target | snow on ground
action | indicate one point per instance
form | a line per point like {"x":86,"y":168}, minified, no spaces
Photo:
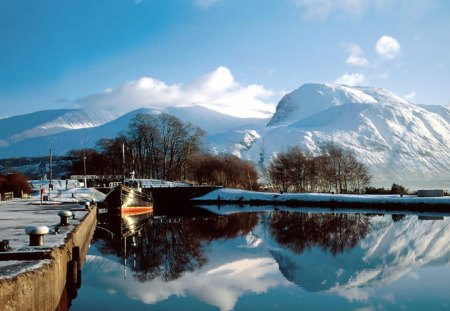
{"x":11,"y":268}
{"x":227,"y":194}
{"x":17,"y":214}
{"x":64,"y":192}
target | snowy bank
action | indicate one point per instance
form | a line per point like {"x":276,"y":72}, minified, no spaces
{"x":236,"y":196}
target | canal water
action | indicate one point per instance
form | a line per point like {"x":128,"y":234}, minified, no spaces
{"x":242,"y":258}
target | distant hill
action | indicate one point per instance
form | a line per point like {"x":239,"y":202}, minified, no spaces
{"x":48,"y":122}
{"x":62,"y":132}
{"x":37,"y":167}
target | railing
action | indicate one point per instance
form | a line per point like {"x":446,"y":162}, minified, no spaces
{"x":7,"y":196}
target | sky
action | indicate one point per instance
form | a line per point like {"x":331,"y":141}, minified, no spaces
{"x":239,"y":56}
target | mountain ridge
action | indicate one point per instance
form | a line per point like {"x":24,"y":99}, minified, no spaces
{"x":399,"y":141}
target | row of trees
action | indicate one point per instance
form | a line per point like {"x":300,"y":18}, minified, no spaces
{"x":334,"y":169}
{"x":227,"y":170}
{"x":163,"y":147}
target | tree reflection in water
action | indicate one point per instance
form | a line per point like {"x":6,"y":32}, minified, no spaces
{"x":168,"y":247}
{"x":332,"y":232}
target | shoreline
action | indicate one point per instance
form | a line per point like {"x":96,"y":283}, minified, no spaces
{"x":316,"y":200}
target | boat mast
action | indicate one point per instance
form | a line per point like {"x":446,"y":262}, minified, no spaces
{"x":50,"y":185}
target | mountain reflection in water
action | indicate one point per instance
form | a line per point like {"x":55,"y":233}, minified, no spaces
{"x":240,"y":260}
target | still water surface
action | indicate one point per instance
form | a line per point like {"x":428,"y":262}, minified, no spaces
{"x":268,"y":260}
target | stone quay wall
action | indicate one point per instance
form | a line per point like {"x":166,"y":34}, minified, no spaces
{"x":52,"y":286}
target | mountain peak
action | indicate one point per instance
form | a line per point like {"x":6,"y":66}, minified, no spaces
{"x":312,"y":98}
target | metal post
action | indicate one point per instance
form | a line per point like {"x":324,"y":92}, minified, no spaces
{"x":51,"y":176}
{"x":84,"y":166}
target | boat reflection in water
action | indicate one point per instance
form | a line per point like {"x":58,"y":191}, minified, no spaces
{"x":240,"y":259}
{"x":158,"y":246}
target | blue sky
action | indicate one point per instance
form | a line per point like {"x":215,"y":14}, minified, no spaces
{"x":122,"y":54}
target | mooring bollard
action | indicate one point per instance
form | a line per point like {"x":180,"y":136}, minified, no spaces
{"x":87,"y":205}
{"x":64,"y":215}
{"x":36,"y":234}
{"x":4,"y":246}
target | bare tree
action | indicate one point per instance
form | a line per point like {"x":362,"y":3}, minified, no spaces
{"x":334,"y":168}
{"x":143,"y":140}
{"x":178,"y":142}
{"x":111,"y":149}
{"x":278,"y":172}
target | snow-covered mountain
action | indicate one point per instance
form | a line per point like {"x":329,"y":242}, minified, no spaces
{"x":399,"y":141}
{"x":49,"y":122}
{"x":64,"y":130}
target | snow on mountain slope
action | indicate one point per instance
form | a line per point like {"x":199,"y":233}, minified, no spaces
{"x":399,"y":141}
{"x":225,"y":133}
{"x":78,"y":138}
{"x":43,"y":123}
{"x":61,"y":143}
{"x":443,"y":111}
{"x":312,"y":98}
{"x":234,"y":141}
{"x":212,"y":121}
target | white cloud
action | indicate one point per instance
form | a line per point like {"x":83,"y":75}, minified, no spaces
{"x":356,"y":57}
{"x":217,"y":90}
{"x":351,"y":79}
{"x":387,"y":47}
{"x":410,"y":96}
{"x":322,"y":9}
{"x":204,"y":3}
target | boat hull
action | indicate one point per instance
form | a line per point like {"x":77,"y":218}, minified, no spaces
{"x":125,"y":201}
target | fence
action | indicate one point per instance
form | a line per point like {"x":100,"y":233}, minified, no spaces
{"x":7,"y":196}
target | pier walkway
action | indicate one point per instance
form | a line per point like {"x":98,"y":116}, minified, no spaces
{"x":37,"y":277}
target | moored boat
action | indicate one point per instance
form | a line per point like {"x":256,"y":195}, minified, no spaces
{"x":124,"y":200}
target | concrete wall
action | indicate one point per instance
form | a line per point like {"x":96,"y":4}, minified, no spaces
{"x":52,"y":286}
